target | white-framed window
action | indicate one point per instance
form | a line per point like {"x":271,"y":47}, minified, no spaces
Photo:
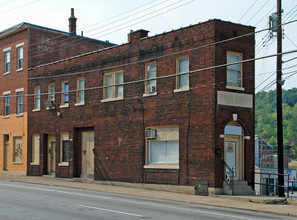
{"x":35,"y":149}
{"x":64,"y":149}
{"x":51,"y":92}
{"x":151,"y":72}
{"x":112,"y":89}
{"x":182,"y":66}
{"x":80,"y":94}
{"x":20,"y":54}
{"x":65,"y":94}
{"x":17,"y":150}
{"x":7,"y":61}
{"x":37,"y":98}
{"x":6,"y":105}
{"x":163,"y":151}
{"x":234,"y":72}
{"x":20,"y":103}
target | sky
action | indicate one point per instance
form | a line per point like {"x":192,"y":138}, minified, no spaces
{"x":112,"y":20}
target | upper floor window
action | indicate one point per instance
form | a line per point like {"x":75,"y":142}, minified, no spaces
{"x":37,"y":98}
{"x":113,"y":89}
{"x":182,"y":66}
{"x":150,"y":72}
{"x":20,"y":62}
{"x":6,"y":105}
{"x":7,"y":61}
{"x":80,"y":94}
{"x":51,"y":92}
{"x":234,"y":71}
{"x":65,"y":93}
{"x":19,"y":103}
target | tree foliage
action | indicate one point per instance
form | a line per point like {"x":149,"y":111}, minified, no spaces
{"x":266,"y":119}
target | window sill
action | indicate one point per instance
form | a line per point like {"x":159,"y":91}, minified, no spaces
{"x":149,"y":94}
{"x":162,"y":166}
{"x":185,"y":89}
{"x":112,"y":100}
{"x":36,"y":110}
{"x":235,"y":88}
{"x":50,"y":108}
{"x":17,"y":163}
{"x":79,"y":104}
{"x":6,"y":116}
{"x":20,"y":69}
{"x":34,"y":164}
{"x":20,"y":115}
{"x":63,"y":164}
{"x":7,"y":73}
{"x":64,"y":105}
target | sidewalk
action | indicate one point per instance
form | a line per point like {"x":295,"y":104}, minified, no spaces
{"x":273,"y":205}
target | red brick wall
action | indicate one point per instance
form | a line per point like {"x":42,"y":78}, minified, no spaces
{"x":119,"y":126}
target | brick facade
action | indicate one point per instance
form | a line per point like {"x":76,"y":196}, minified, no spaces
{"x":120,"y":147}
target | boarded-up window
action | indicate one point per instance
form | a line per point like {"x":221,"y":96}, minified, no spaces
{"x":35,"y":149}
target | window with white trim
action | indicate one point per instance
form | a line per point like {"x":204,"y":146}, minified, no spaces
{"x":150,"y":72}
{"x":163,"y":151}
{"x":234,"y":72}
{"x":20,"y":104}
{"x":37,"y":98}
{"x":65,"y":93}
{"x":51,"y":92}
{"x":7,"y":61}
{"x":64,"y":149}
{"x":182,"y":66}
{"x":20,"y":62}
{"x":80,"y":94}
{"x":17,"y":150}
{"x":6,"y":105}
{"x":113,"y":90}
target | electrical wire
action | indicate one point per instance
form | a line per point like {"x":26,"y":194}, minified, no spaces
{"x":3,"y":12}
{"x":258,"y":11}
{"x":247,"y":11}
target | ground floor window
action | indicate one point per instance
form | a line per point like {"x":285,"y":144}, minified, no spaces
{"x":35,"y":149}
{"x":64,"y":149}
{"x":17,"y":150}
{"x":162,"y":149}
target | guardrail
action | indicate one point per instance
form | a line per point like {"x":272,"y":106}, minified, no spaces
{"x":229,"y":176}
{"x":269,"y":184}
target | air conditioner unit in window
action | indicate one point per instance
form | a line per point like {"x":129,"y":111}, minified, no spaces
{"x":151,"y":89}
{"x":49,"y":104}
{"x":150,"y":134}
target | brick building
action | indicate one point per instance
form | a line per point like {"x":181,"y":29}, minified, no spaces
{"x":153,"y":110}
{"x":21,"y":47}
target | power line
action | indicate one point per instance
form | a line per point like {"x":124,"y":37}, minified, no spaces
{"x":258,"y":11}
{"x":3,"y":12}
{"x":247,"y":11}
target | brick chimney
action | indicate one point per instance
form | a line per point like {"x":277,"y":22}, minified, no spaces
{"x":135,"y":36}
{"x":72,"y":22}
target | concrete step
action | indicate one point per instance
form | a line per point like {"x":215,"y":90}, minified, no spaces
{"x":239,"y":188}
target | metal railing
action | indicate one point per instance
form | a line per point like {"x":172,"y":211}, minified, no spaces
{"x":271,"y":186}
{"x":229,"y":176}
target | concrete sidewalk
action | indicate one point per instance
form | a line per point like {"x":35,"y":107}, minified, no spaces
{"x":273,"y":205}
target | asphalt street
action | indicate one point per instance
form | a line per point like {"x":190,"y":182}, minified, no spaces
{"x":34,"y":201}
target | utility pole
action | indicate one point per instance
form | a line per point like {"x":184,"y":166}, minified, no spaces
{"x":280,"y":151}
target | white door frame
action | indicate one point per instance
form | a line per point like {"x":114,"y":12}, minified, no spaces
{"x":87,"y":154}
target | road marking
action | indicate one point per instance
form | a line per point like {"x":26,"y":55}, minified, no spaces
{"x":109,"y":210}
{"x":27,"y":187}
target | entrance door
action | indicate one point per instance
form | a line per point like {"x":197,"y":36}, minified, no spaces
{"x":87,"y":169}
{"x":6,"y":153}
{"x":233,"y":156}
{"x":51,"y":154}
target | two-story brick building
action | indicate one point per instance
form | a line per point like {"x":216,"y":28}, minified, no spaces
{"x":164,"y":109}
{"x":21,"y":47}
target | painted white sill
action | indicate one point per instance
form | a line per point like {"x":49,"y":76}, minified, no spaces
{"x":235,"y":88}
{"x":36,"y":110}
{"x":112,"y":100}
{"x":19,"y":115}
{"x":50,"y":108}
{"x":6,"y":116}
{"x":79,"y":104}
{"x":17,"y":163}
{"x":34,"y":164}
{"x":185,"y":89}
{"x":149,"y":94}
{"x":63,"y":164}
{"x":162,"y":166}
{"x":20,"y":69}
{"x":65,"y":105}
{"x":7,"y":73}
